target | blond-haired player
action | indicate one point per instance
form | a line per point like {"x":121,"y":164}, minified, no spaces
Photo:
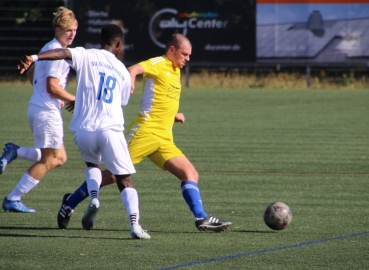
{"x":49,"y":79}
{"x":150,"y":134}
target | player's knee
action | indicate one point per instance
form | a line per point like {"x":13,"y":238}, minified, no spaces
{"x":61,"y":160}
{"x":192,"y":175}
{"x":195,"y":176}
{"x":49,"y":163}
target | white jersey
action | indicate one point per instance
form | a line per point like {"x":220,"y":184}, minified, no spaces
{"x":43,"y":69}
{"x":104,"y":86}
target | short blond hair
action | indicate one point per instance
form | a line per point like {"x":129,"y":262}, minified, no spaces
{"x":64,"y":18}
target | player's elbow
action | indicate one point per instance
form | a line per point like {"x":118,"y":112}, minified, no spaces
{"x":52,"y":90}
{"x":135,"y":70}
{"x":52,"y":86}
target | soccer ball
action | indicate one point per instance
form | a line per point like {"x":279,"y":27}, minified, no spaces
{"x":277,"y":216}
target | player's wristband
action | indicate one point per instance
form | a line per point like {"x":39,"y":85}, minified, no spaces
{"x":34,"y":57}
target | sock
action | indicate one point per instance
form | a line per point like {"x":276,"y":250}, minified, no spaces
{"x":30,"y":154}
{"x":93,"y":180}
{"x":191,"y":194}
{"x":78,"y":196}
{"x":25,"y":185}
{"x":130,"y":202}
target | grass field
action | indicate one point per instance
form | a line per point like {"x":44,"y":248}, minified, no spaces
{"x":307,"y":148}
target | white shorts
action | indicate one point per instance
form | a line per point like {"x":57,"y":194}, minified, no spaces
{"x":46,"y":126}
{"x":109,"y":146}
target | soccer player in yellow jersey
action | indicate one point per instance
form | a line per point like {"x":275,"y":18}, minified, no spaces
{"x":150,"y":133}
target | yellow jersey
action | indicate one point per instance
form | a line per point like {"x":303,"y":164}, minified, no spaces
{"x":160,"y":100}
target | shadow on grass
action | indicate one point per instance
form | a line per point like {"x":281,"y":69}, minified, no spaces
{"x":63,"y":236}
{"x":56,"y":236}
{"x":56,"y":229}
{"x":249,"y":231}
{"x":118,"y":230}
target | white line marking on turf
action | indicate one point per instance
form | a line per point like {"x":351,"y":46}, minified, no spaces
{"x":265,"y":250}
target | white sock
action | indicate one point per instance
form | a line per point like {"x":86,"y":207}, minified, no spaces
{"x":130,"y":202}
{"x":30,"y":154}
{"x":93,"y":181}
{"x":25,"y":185}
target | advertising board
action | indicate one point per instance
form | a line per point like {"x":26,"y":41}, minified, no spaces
{"x":313,"y":31}
{"x":220,"y":31}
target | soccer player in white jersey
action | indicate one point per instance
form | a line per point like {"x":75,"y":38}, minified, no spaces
{"x":49,"y":80}
{"x":150,"y":134}
{"x":103,"y":87}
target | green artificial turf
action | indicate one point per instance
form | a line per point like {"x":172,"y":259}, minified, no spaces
{"x":306,"y":148}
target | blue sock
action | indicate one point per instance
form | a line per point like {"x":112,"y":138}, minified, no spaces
{"x":191,"y":194}
{"x":78,"y":196}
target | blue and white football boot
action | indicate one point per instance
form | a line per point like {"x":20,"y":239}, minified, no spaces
{"x":16,"y":206}
{"x":9,"y":154}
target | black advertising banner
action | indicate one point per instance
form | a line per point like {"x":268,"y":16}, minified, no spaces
{"x":220,"y":31}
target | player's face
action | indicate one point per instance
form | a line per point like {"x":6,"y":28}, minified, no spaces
{"x":66,"y":35}
{"x":182,"y":55}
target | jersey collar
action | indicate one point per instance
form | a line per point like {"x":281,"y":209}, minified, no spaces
{"x":107,"y":53}
{"x":169,"y":63}
{"x":56,"y":40}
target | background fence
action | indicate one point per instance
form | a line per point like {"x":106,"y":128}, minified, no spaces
{"x":320,"y":41}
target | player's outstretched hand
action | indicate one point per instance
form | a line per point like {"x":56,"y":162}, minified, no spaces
{"x":69,"y":106}
{"x":25,"y":63}
{"x":179,"y":118}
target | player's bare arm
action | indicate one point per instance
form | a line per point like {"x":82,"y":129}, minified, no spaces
{"x":57,"y":54}
{"x":30,"y":73}
{"x":56,"y":90}
{"x":179,"y":118}
{"x":52,"y":84}
{"x":134,"y":71}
